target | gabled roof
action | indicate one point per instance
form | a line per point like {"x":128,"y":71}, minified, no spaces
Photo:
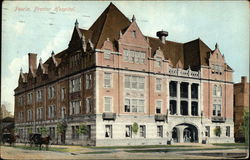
{"x":193,"y":53}
{"x":171,"y":50}
{"x":108,"y":25}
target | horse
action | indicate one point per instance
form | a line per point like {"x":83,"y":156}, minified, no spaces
{"x":44,"y":140}
{"x":9,"y":138}
{"x":34,"y":138}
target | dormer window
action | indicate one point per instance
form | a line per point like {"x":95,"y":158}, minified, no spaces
{"x":133,"y":34}
{"x":107,"y":54}
{"x":158,"y":62}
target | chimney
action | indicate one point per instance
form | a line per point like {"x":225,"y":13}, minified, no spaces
{"x":162,"y":35}
{"x":243,"y":79}
{"x":32,"y":61}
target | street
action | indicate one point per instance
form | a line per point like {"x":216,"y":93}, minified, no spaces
{"x":156,"y":152}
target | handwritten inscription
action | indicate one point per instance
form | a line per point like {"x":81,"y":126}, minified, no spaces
{"x":44,"y":9}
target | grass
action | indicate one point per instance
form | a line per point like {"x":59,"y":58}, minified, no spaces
{"x":230,"y":144}
{"x":138,"y":147}
{"x":172,"y":150}
{"x":43,"y":148}
{"x":101,"y":152}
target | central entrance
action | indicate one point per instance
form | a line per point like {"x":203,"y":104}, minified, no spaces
{"x":185,"y":133}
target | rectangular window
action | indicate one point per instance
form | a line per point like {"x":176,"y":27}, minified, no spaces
{"x":134,"y":56}
{"x":63,"y":93}
{"x":75,"y":133}
{"x":39,"y":95}
{"x":89,"y":131}
{"x":20,"y":100}
{"x":141,"y":82}
{"x":158,"y":84}
{"x":30,"y":115}
{"x":63,"y":112}
{"x":143,"y":131}
{"x":107,"y":54}
{"x":74,"y":107}
{"x":51,"y":92}
{"x":75,"y":85}
{"x":134,"y":82}
{"x":88,"y":81}
{"x":128,"y":132}
{"x":88,"y":105}
{"x":107,"y":80}
{"x":140,"y":106}
{"x":134,"y":105}
{"x":127,"y":81}
{"x":158,"y":106}
{"x":127,"y":105}
{"x":217,"y":110}
{"x":107,"y":104}
{"x":228,"y":131}
{"x":51,"y":111}
{"x":30,"y":98}
{"x":125,"y":56}
{"x":39,"y":113}
{"x":159,"y":131}
{"x":158,"y":62}
{"x":207,"y":133}
{"x":108,"y":131}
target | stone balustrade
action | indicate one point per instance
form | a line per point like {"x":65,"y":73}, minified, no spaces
{"x":184,"y":73}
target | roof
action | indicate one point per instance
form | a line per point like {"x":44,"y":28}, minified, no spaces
{"x":171,"y":50}
{"x":194,"y":49}
{"x":108,"y":25}
{"x":112,"y":21}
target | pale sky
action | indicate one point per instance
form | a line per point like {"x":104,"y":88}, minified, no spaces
{"x":40,"y":27}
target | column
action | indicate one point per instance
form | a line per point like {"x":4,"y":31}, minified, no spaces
{"x":199,"y":100}
{"x":180,"y":133}
{"x":168,"y":98}
{"x":178,"y":99}
{"x":189,"y":99}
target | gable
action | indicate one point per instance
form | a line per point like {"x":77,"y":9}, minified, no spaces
{"x":216,"y":57}
{"x":134,"y":36}
{"x":75,"y":38}
{"x":159,"y":54}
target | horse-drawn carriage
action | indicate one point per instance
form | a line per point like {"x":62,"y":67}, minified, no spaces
{"x":38,"y":140}
{"x":9,"y":138}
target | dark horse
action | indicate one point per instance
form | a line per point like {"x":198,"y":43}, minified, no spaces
{"x":44,"y":140}
{"x":38,"y":140}
{"x":9,"y":138}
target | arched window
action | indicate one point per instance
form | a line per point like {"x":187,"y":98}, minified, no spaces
{"x":219,"y":91}
{"x":215,"y":90}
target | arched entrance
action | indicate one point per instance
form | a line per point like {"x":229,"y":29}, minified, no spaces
{"x":185,"y":133}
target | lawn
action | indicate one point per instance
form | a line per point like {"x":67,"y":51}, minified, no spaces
{"x":138,"y":147}
{"x":173,"y":150}
{"x":230,"y":144}
{"x":56,"y":149}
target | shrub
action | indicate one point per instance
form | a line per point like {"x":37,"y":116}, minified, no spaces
{"x":135,"y":127}
{"x":217,"y":131}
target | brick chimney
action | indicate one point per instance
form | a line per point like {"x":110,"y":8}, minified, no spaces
{"x":243,"y":79}
{"x":32,"y":61}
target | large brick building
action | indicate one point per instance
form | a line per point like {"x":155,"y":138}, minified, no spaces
{"x":111,"y":76}
{"x":241,"y":105}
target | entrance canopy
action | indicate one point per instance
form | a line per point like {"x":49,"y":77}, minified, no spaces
{"x":185,"y":133}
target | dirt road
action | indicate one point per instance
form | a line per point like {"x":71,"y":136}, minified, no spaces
{"x":77,"y":152}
